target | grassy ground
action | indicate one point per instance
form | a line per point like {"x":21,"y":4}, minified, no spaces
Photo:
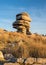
{"x":21,"y":45}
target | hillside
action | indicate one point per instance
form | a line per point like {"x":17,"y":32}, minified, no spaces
{"x":21,"y":45}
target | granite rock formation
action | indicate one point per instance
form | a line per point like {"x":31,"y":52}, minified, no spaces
{"x":22,"y":23}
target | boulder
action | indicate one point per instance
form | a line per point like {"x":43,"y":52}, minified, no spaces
{"x":1,"y":56}
{"x":10,"y":57}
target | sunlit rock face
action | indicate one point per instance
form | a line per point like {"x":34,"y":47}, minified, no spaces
{"x":22,"y":23}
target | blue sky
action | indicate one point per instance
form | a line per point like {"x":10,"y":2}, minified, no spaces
{"x":36,"y":9}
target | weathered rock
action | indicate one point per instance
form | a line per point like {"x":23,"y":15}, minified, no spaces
{"x":20,"y":60}
{"x":10,"y":57}
{"x":22,"y":17}
{"x":23,"y":13}
{"x":22,"y":23}
{"x":1,"y":56}
{"x":22,"y":29}
{"x":30,"y":60}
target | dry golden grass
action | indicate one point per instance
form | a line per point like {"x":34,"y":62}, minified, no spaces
{"x":21,"y":45}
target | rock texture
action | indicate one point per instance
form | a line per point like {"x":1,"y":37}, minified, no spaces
{"x":28,"y":61}
{"x":22,"y":23}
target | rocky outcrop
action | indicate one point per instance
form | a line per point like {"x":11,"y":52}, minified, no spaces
{"x":28,"y":61}
{"x":11,"y":60}
{"x":22,"y":23}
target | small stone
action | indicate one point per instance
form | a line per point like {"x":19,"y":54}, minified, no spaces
{"x":30,"y":61}
{"x":20,"y":60}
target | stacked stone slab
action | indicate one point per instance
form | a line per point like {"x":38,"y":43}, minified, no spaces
{"x":22,"y":23}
